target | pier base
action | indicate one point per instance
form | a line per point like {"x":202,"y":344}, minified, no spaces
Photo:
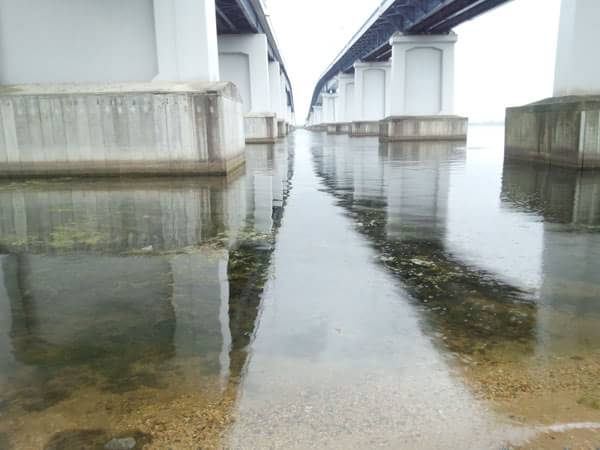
{"x":338,"y":128}
{"x":261,"y":128}
{"x":359,"y":129}
{"x":282,"y":129}
{"x":423,"y":128}
{"x":562,"y":131}
{"x":120,"y":129}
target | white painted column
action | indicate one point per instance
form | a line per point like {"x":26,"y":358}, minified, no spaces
{"x":345,"y":108}
{"x":577,"y":64}
{"x":318,"y":113}
{"x":244,"y":60}
{"x":422,"y":77}
{"x":275,"y":85}
{"x":282,"y":85}
{"x":371,"y":86}
{"x":328,"y":107}
{"x":186,"y":40}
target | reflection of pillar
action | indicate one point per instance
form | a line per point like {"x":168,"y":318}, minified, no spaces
{"x":121,"y":216}
{"x":568,"y":312}
{"x":422,"y":75}
{"x":186,"y":40}
{"x":417,"y":180}
{"x":201,"y":303}
{"x":8,"y":280}
{"x":85,"y":306}
{"x":243,"y":59}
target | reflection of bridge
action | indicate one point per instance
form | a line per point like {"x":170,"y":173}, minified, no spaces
{"x":116,"y":274}
{"x":567,"y":201}
{"x":398,"y":196}
{"x":395,"y":79}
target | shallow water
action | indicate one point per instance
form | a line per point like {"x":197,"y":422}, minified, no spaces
{"x":337,"y":293}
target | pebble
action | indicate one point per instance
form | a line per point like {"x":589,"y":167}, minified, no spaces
{"x":120,"y":444}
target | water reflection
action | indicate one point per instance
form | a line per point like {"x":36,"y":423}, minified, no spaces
{"x":509,"y":291}
{"x":568,"y":202}
{"x":405,"y":216}
{"x":131,"y":295}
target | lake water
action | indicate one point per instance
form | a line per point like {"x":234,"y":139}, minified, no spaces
{"x":336,"y":293}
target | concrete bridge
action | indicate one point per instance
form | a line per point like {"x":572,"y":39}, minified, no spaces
{"x":395,"y":80}
{"x":144,"y":86}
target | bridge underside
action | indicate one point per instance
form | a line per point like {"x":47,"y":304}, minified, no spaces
{"x":407,"y":16}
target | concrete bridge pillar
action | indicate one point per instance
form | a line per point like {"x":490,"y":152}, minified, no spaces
{"x":346,"y":96}
{"x":318,"y":115}
{"x":186,"y":40}
{"x":577,"y":64}
{"x":421,"y":94}
{"x":329,"y":101}
{"x":275,"y":88}
{"x":565,"y":130}
{"x":244,"y":60}
{"x":371,"y":96}
{"x":277,"y":101}
{"x":422,"y":75}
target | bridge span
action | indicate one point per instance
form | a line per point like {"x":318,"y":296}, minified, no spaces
{"x":395,"y":79}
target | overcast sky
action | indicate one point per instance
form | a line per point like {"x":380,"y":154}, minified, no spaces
{"x":503,"y":58}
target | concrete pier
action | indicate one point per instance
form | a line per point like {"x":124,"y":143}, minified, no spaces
{"x":562,"y":131}
{"x":261,"y":128}
{"x":364,"y":128}
{"x":425,"y":128}
{"x":115,"y":129}
{"x":338,"y":128}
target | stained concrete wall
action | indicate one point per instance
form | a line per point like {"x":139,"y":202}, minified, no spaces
{"x":50,"y":41}
{"x":117,"y":129}
{"x":564,"y":132}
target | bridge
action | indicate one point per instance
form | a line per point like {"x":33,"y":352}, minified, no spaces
{"x":144,"y":86}
{"x":182,"y":86}
{"x":395,"y":79}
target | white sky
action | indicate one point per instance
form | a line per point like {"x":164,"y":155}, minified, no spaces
{"x":503,"y":58}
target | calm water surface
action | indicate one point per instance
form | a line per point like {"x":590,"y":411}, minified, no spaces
{"x":337,"y":293}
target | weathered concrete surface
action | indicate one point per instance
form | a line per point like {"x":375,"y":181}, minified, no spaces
{"x":117,"y":129}
{"x":563,"y":131}
{"x":261,"y":128}
{"x":364,"y":128}
{"x":338,"y":128}
{"x":410,"y":128}
{"x":282,"y":128}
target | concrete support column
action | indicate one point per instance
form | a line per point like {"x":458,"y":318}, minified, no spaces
{"x":346,"y":105}
{"x":275,"y":88}
{"x":283,"y":89}
{"x":371,"y":97}
{"x":329,"y":107}
{"x":243,"y":59}
{"x":372,"y":81}
{"x":422,"y":75}
{"x":577,"y":64}
{"x":318,"y":114}
{"x":186,"y":40}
